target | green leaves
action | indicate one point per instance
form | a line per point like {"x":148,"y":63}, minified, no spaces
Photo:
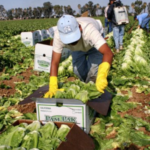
{"x":30,"y":140}
{"x":48,"y":131}
{"x":79,"y":90}
{"x":62,"y":132}
{"x":139,"y":138}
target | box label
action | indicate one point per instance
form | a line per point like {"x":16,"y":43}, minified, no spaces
{"x":27,"y":43}
{"x":60,"y":118}
{"x":65,"y":113}
{"x":42,"y":63}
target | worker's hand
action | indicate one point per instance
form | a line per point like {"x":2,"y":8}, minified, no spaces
{"x":53,"y":87}
{"x":101,"y":80}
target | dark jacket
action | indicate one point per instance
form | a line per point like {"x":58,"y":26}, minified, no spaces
{"x":110,"y":12}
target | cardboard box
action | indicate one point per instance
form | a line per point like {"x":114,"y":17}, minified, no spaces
{"x":43,"y":55}
{"x":44,"y":34}
{"x":75,"y":140}
{"x":65,"y":110}
{"x":30,"y":38}
{"x":51,"y":31}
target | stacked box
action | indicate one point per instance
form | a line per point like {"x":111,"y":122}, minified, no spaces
{"x":30,"y":38}
{"x":44,"y":34}
{"x":51,"y":31}
{"x":43,"y":56}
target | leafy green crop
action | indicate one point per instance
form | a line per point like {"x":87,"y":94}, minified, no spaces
{"x":79,"y":90}
{"x":33,"y":136}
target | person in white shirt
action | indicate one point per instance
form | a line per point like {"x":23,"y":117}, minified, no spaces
{"x":91,"y":55}
{"x":108,"y":24}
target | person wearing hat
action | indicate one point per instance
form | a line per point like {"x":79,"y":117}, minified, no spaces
{"x":143,"y":20}
{"x":91,"y":55}
{"x":118,"y":30}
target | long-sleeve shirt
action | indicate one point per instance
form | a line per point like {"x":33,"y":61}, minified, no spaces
{"x":141,"y":17}
{"x":105,"y":11}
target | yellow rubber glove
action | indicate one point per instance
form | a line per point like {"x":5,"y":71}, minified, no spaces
{"x":53,"y":87}
{"x":101,"y":80}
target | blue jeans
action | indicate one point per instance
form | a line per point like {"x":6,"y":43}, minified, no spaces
{"x":145,"y":23}
{"x":118,"y":33}
{"x":85,"y":64}
{"x":108,"y":23}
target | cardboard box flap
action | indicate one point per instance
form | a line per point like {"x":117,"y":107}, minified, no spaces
{"x":85,"y":14}
{"x":77,"y":140}
{"x":101,"y":104}
{"x":37,"y":94}
{"x":46,"y":42}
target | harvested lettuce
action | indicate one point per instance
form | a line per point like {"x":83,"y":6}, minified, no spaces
{"x":62,"y":132}
{"x":30,"y":140}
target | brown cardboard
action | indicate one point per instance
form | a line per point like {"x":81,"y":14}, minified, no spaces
{"x":75,"y":140}
{"x":47,"y":42}
{"x":85,"y":14}
{"x":37,"y":94}
{"x":100,"y":105}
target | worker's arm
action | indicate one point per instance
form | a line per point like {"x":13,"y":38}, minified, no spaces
{"x":103,"y":69}
{"x":107,"y":53}
{"x":140,"y":21}
{"x":53,"y":83}
{"x":55,"y":63}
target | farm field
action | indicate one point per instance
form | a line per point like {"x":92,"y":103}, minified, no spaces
{"x":127,"y":125}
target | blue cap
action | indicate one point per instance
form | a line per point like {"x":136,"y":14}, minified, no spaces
{"x":68,"y":28}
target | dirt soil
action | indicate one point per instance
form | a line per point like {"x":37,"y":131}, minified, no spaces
{"x":140,"y":110}
{"x":25,"y":77}
{"x":25,"y":108}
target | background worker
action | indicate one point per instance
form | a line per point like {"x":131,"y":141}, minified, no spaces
{"x":118,"y":30}
{"x":143,"y":20}
{"x":91,"y":55}
{"x":108,"y":24}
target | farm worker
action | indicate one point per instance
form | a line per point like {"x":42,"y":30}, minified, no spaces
{"x":107,"y":22}
{"x":91,"y":55}
{"x":118,"y":30}
{"x":143,"y":20}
